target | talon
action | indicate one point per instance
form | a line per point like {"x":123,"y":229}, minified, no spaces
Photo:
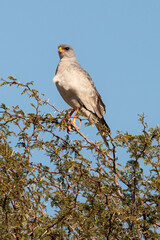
{"x":69,"y":128}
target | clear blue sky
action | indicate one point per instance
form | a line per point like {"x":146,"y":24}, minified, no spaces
{"x":117,"y":42}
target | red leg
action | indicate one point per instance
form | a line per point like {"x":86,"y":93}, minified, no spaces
{"x":73,"y":110}
{"x":74,"y":119}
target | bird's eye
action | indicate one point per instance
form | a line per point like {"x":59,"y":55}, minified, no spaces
{"x":67,"y":48}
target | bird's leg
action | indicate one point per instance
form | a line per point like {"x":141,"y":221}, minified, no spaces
{"x":73,"y":110}
{"x":74,"y":119}
{"x":70,"y":114}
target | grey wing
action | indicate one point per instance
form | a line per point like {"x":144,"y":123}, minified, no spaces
{"x":87,"y":92}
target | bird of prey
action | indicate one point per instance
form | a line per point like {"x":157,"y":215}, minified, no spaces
{"x":78,"y":90}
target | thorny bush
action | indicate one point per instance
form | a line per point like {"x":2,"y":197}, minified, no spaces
{"x":55,"y":185}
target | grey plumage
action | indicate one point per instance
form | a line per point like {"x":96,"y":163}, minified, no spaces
{"x":78,"y":90}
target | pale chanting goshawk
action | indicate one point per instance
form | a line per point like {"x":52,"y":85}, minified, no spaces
{"x":78,"y":90}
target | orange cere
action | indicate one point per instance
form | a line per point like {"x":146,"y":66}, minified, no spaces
{"x":62,"y":50}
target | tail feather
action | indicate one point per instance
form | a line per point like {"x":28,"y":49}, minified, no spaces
{"x":103,"y":129}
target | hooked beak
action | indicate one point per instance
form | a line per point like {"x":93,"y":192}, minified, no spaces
{"x":61,"y":50}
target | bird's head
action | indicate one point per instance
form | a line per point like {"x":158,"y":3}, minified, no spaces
{"x":66,"y":51}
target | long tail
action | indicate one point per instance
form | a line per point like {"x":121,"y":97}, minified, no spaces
{"x":103,"y":129}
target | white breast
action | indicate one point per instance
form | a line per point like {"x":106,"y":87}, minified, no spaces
{"x":55,"y":79}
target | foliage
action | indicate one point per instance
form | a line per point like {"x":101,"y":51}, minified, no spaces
{"x":59,"y":186}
